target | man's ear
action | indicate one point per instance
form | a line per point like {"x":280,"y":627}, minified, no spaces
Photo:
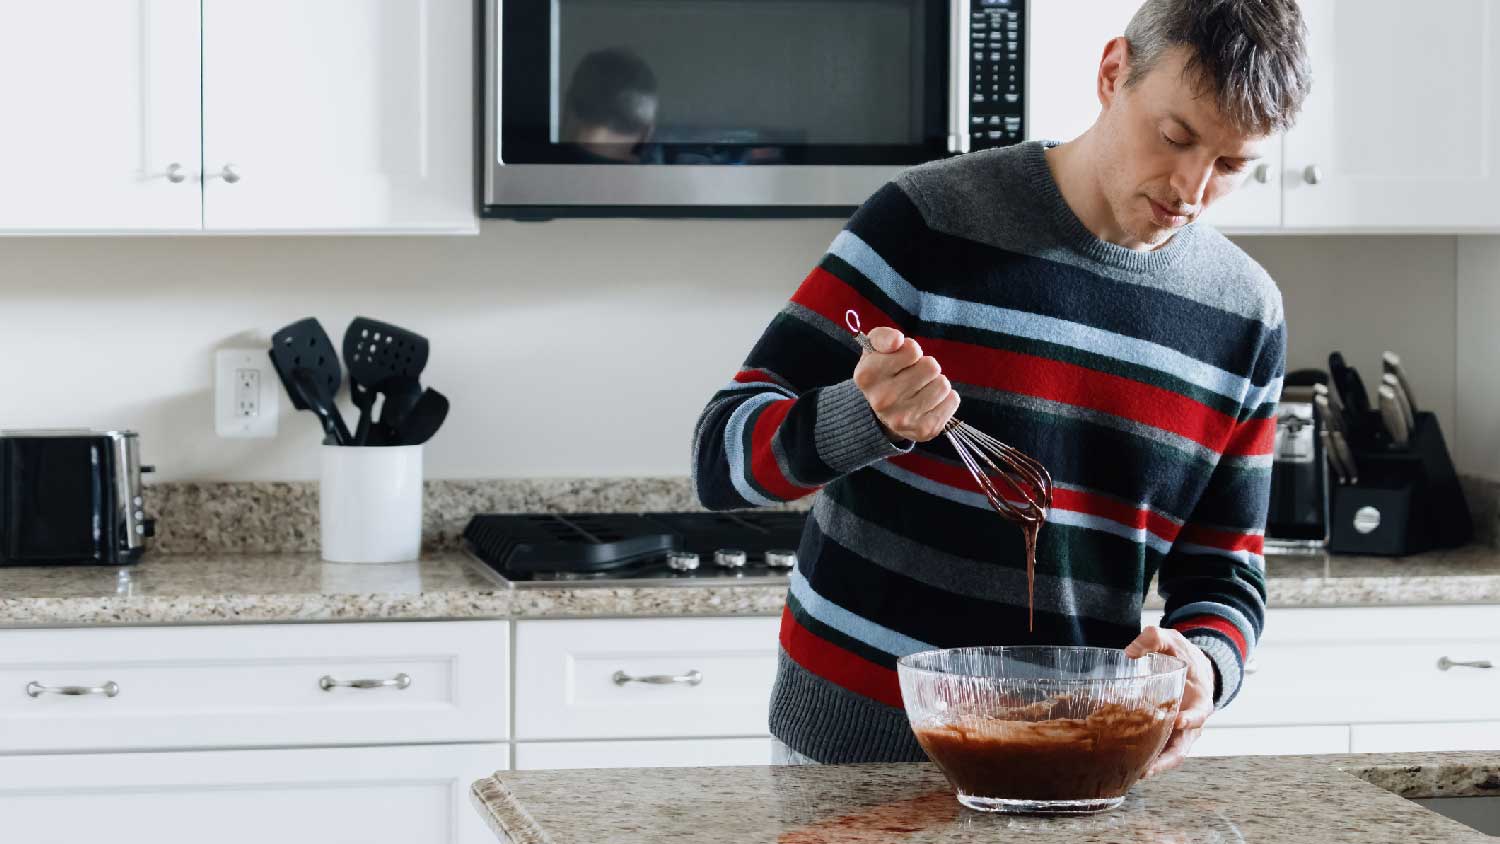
{"x":1114,"y":69}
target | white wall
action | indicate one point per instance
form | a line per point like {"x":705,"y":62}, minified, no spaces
{"x":571,"y":348}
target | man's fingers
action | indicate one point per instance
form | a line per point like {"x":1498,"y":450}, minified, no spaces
{"x":931,"y":395}
{"x":1150,"y":640}
{"x":886,"y":340}
{"x":1175,"y":753}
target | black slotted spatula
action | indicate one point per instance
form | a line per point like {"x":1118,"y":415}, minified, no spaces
{"x":305,"y":345}
{"x":373,"y":352}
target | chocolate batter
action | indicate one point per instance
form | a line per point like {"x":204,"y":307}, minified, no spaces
{"x":1013,"y":757}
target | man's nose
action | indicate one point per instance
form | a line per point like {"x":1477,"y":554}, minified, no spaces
{"x":1190,"y":181}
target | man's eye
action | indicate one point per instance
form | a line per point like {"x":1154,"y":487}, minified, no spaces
{"x":1232,"y":167}
{"x":1171,"y":142}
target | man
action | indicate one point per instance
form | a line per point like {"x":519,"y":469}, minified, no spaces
{"x":1085,"y":319}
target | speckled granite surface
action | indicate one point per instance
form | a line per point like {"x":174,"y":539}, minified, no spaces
{"x":195,"y":518}
{"x":219,"y":588}
{"x":1257,"y":800}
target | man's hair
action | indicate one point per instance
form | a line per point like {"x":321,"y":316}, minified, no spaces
{"x":1251,"y":55}
{"x":615,"y":88}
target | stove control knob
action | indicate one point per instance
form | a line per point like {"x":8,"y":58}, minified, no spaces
{"x":682,"y":561}
{"x":730,"y":558}
{"x":781,"y":559}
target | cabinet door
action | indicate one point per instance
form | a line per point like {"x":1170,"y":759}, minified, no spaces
{"x":370,"y":795}
{"x":1425,"y":738}
{"x":1067,"y":42}
{"x":101,"y":116}
{"x":1270,"y":741}
{"x":1401,"y":128}
{"x":339,"y":115}
{"x":695,"y":753}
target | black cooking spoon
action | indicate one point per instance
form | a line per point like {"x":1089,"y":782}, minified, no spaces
{"x":305,"y":345}
{"x":373,"y":352}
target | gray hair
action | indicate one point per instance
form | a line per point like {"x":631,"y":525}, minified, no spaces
{"x":1250,"y":54}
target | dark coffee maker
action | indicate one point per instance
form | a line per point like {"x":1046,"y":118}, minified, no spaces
{"x":1298,"y":517}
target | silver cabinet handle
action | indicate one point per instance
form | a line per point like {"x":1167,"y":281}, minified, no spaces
{"x":328,"y":684}
{"x":109,"y":689}
{"x":1263,"y":174}
{"x":1445,"y":663}
{"x":1313,"y":174}
{"x":692,"y":678}
{"x":175,"y":175}
{"x":228,"y":173}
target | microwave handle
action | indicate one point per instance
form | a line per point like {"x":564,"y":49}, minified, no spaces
{"x":959,"y":86}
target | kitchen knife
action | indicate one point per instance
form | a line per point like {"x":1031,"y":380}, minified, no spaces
{"x":1390,"y":380}
{"x":1341,"y":448}
{"x":1331,"y":456}
{"x":1391,"y":362}
{"x":1351,"y":389}
{"x":1392,"y":417}
{"x":1323,"y":407}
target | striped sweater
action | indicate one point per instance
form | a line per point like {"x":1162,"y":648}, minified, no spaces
{"x":1145,"y":381}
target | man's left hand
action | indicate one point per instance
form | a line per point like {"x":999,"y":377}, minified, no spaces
{"x":1197,"y":692}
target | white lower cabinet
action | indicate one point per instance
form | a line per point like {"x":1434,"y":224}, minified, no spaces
{"x":659,"y":753}
{"x":1403,"y":738}
{"x":1271,"y":741}
{"x":382,"y":795}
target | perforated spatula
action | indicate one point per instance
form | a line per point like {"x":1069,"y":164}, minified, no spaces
{"x":305,"y":345}
{"x":373,"y":352}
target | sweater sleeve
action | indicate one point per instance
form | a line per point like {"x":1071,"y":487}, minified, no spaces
{"x":792,"y":420}
{"x":1213,"y":578}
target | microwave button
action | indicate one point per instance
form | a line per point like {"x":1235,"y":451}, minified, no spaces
{"x":1012,"y":98}
{"x":978,"y":98}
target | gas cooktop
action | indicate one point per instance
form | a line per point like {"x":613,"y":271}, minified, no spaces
{"x":605,"y":547}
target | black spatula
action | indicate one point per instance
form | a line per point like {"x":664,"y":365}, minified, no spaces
{"x":305,"y":345}
{"x":373,"y":352}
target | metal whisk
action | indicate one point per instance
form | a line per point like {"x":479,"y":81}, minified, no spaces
{"x":1027,"y":480}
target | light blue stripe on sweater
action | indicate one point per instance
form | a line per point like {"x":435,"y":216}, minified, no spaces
{"x":734,"y":447}
{"x":851,"y":625}
{"x":1223,"y":611}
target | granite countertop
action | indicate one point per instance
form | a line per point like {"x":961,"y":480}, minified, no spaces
{"x":1251,"y":799}
{"x":209,"y":588}
{"x":240,"y":587}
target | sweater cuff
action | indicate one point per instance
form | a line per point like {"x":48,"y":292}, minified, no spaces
{"x":1229,"y":672}
{"x":847,"y":434}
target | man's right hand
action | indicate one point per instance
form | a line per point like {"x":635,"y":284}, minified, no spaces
{"x":906,"y":389}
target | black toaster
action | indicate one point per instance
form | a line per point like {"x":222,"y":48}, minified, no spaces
{"x":71,"y":497}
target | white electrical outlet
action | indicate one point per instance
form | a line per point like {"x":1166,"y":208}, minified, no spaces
{"x":247,"y":393}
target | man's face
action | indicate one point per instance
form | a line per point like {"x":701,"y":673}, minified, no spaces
{"x":1169,"y":153}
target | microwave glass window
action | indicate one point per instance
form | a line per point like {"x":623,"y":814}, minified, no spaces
{"x":735,"y":81}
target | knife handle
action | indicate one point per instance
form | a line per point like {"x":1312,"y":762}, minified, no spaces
{"x":1331,"y":456}
{"x":1341,"y":448}
{"x":1402,"y":401}
{"x":1392,"y":416}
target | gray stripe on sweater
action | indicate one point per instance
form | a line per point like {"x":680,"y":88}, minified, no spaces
{"x":1224,"y":657}
{"x":832,"y":725}
{"x":1007,"y":197}
{"x":846,"y":433}
{"x":960,"y":575}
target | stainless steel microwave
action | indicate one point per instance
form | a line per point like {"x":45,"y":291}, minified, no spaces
{"x":737,"y":107}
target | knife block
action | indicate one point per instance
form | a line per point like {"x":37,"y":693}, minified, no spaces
{"x":1408,"y":499}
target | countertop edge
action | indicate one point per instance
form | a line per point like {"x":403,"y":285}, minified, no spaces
{"x":503,"y":814}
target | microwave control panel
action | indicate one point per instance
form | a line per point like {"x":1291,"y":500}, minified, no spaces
{"x":997,"y":67}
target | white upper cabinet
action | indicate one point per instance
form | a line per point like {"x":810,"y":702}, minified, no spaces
{"x":1401,"y":129}
{"x":1067,"y":43}
{"x":338,"y":115}
{"x":100,"y":102}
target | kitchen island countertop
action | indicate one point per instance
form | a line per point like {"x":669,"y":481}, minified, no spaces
{"x":1255,"y":800}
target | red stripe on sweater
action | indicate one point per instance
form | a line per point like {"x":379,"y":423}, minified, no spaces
{"x":836,"y":665}
{"x":829,"y":296}
{"x":755,"y":376}
{"x":1226,"y":540}
{"x":1075,"y":501}
{"x":1213,"y":622}
{"x":763,"y":466}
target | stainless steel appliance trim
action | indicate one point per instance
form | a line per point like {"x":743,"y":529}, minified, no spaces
{"x":692,"y":678}
{"x":63,"y":432}
{"x":958,"y":76}
{"x":400,"y":681}
{"x":586,"y":185}
{"x":494,"y":11}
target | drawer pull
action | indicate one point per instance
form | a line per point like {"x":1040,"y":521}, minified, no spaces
{"x":1445,"y":663}
{"x":328,"y":684}
{"x":35,"y":689}
{"x":692,"y":678}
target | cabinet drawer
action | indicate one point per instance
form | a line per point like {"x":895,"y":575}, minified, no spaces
{"x":1270,"y":741}
{"x":252,"y":685}
{"x":1415,"y":738}
{"x":388,"y":795}
{"x":1371,"y":665}
{"x":566,"y":674}
{"x":661,"y":753}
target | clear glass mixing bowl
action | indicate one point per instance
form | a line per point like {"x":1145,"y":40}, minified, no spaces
{"x":1041,"y":729}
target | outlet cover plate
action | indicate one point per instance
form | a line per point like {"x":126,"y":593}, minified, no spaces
{"x":264,"y":403}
